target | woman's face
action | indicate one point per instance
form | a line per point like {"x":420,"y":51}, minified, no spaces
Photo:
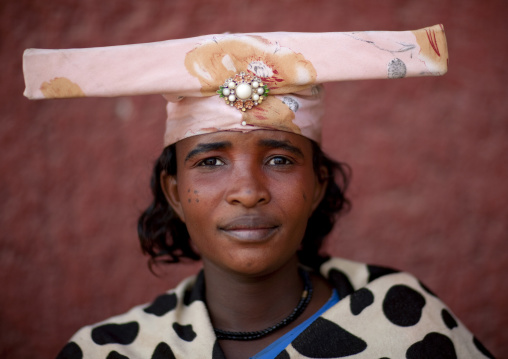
{"x":245,"y":197}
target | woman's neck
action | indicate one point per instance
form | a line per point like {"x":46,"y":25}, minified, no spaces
{"x":242,"y":303}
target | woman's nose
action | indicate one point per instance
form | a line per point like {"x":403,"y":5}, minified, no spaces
{"x":248,"y":187}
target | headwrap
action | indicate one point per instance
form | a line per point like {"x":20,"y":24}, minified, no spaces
{"x":236,"y":82}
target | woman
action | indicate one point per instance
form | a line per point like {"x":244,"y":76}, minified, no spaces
{"x":243,"y":184}
{"x":246,"y":198}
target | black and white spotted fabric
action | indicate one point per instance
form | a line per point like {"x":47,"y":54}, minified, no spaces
{"x":383,"y":314}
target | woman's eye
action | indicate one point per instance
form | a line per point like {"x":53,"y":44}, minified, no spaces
{"x":279,"y":161}
{"x":212,"y":161}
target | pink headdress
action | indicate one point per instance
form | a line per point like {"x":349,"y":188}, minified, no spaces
{"x":236,"y":82}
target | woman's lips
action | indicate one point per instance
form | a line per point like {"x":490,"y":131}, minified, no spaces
{"x":250,"y":228}
{"x":252,"y":234}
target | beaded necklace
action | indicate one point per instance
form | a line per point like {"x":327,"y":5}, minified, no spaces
{"x":302,"y":304}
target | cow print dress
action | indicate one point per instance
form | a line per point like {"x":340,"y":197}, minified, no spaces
{"x":382,"y":314}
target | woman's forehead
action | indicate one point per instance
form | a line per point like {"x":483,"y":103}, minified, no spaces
{"x":252,"y":138}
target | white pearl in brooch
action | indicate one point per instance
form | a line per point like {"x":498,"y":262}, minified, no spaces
{"x":243,"y":91}
{"x":244,"y":123}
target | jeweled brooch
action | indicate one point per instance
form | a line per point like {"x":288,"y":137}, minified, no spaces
{"x":243,"y":91}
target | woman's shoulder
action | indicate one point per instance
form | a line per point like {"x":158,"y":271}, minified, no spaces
{"x":348,"y":276}
{"x":383,"y":312}
{"x":357,"y":273}
{"x":145,"y":330}
{"x":398,"y":298}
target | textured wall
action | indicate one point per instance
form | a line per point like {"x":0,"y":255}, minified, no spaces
{"x":429,"y":158}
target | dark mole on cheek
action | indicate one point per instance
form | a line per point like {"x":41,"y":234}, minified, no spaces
{"x":189,"y":200}
{"x":304,"y":197}
{"x":197,"y":200}
{"x":188,"y":191}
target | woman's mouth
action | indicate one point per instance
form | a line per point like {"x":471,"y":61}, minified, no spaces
{"x":250,"y":228}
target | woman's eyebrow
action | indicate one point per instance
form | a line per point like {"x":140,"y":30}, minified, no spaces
{"x":206,"y":147}
{"x":285,"y":145}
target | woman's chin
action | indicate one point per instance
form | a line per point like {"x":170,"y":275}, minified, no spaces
{"x":255,"y":263}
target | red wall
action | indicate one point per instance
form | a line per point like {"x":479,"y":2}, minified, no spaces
{"x":429,"y":156}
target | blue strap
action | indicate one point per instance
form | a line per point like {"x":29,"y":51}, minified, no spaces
{"x":280,"y":344}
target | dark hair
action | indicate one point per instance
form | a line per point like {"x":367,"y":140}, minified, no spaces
{"x":165,"y":238}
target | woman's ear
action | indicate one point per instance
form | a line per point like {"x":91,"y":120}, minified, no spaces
{"x":320,"y":187}
{"x":169,"y":186}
